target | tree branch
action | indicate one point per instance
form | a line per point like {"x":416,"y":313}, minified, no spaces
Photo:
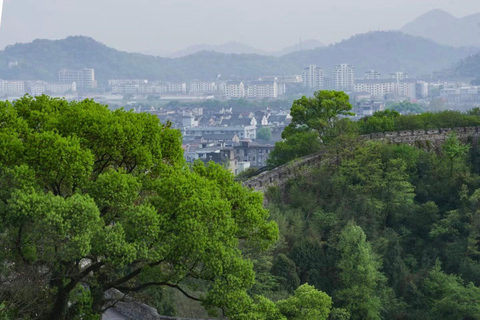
{"x":150,"y":284}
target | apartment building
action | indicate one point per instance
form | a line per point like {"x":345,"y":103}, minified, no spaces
{"x":37,"y":88}
{"x":371,"y":75}
{"x":378,"y":87}
{"x":243,"y":132}
{"x":312,"y":77}
{"x":382,"y":87}
{"x":262,"y":89}
{"x":84,"y":78}
{"x":232,"y":89}
{"x":344,"y":77}
{"x":199,"y":87}
{"x":13,"y":87}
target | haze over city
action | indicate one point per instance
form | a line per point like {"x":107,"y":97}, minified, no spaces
{"x":167,"y":25}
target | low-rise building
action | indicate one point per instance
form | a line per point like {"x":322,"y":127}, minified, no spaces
{"x":243,"y":132}
{"x":256,"y":154}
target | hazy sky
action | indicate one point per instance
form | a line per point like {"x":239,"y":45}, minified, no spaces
{"x":169,"y":25}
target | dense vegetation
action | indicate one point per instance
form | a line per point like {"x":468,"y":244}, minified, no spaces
{"x":388,"y":231}
{"x":390,"y":120}
{"x":92,"y":199}
{"x":383,"y":51}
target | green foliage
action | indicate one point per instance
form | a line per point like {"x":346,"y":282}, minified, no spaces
{"x":359,"y":273}
{"x":306,"y":304}
{"x":319,"y":113}
{"x":453,"y":148}
{"x":392,"y":121}
{"x":285,"y":270}
{"x":293,"y":147}
{"x":315,"y":121}
{"x":91,"y":198}
{"x":413,"y":209}
{"x":407,"y":107}
{"x":381,"y":121}
{"x":449,"y":298}
{"x":264,"y":134}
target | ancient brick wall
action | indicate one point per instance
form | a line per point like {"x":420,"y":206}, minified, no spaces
{"x":279,"y":176}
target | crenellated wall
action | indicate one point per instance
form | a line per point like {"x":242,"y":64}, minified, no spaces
{"x":280,"y":175}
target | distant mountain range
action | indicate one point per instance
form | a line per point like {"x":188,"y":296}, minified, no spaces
{"x":383,"y":51}
{"x":444,"y":28}
{"x":234,"y":47}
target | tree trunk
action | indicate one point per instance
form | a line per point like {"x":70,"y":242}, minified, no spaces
{"x":59,"y":310}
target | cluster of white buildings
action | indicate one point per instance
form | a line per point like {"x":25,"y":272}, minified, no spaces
{"x":146,"y":87}
{"x":228,"y":89}
{"x":18,"y":88}
{"x":343,"y":77}
{"x":69,"y":82}
{"x":397,"y":84}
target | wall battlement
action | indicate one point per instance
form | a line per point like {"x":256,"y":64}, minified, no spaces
{"x":280,"y":175}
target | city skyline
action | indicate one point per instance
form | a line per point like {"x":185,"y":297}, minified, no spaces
{"x":168,"y":26}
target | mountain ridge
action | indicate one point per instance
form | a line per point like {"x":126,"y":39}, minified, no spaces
{"x":444,"y":28}
{"x":383,"y":51}
{"x":235,"y":47}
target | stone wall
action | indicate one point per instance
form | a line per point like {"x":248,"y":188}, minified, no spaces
{"x":280,"y":175}
{"x":135,"y":310}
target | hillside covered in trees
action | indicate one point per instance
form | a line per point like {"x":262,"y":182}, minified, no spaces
{"x":383,"y":51}
{"x":469,"y":67}
{"x":93,"y":200}
{"x":389,"y":231}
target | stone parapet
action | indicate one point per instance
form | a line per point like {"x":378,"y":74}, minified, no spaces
{"x":280,"y":175}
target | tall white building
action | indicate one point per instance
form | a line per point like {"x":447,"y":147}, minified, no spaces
{"x":312,"y":77}
{"x":343,"y":77}
{"x":371,"y":75}
{"x":232,"y":89}
{"x":262,"y":89}
{"x":84,"y":79}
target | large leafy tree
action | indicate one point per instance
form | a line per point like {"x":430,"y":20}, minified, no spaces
{"x":319,"y":113}
{"x":315,"y":120}
{"x":92,"y":200}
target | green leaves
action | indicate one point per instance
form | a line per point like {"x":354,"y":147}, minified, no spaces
{"x":318,"y":113}
{"x":359,"y":274}
{"x":306,"y":304}
{"x":104,"y":200}
{"x":314,"y":122}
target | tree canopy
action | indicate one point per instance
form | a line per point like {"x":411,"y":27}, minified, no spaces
{"x":93,"y":199}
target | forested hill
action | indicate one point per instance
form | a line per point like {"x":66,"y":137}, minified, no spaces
{"x":42,"y":59}
{"x":383,"y":51}
{"x":469,"y":67}
{"x":386,"y":52}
